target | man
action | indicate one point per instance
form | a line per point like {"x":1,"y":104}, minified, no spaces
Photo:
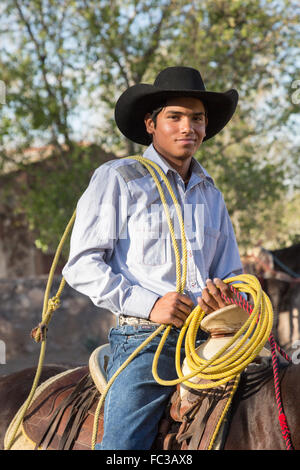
{"x":121,"y":253}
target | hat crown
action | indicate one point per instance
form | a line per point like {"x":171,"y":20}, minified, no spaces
{"x":179,"y":78}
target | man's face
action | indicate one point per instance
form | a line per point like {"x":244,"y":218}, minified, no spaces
{"x":179,"y":129}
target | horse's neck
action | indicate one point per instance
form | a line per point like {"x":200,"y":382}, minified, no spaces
{"x":254,"y":378}
{"x":254,"y":415}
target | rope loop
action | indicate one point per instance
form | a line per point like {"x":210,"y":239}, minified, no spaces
{"x":54,"y":303}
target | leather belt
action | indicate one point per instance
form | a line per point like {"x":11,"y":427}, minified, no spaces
{"x":135,"y":321}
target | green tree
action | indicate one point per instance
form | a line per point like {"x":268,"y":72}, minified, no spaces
{"x":62,"y":58}
{"x":251,"y":46}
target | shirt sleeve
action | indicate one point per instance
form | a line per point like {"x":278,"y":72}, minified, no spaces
{"x":101,"y":216}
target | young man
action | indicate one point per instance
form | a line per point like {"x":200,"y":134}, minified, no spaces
{"x":121,"y":252}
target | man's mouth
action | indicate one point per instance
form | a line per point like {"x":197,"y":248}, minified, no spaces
{"x":186,"y":141}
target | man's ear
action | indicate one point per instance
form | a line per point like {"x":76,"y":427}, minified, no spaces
{"x":206,"y":122}
{"x":149,"y":124}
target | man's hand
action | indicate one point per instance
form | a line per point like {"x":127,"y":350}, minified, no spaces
{"x":211,"y":299}
{"x":172,"y":309}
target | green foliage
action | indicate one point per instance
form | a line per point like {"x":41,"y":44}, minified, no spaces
{"x":64,"y":58}
{"x":51,"y":191}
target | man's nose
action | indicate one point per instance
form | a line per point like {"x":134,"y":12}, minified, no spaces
{"x":186,"y":125}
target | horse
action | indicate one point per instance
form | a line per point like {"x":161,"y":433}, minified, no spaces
{"x":279,"y":274}
{"x":253,"y":418}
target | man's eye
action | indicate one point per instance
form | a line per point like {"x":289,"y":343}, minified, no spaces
{"x":199,"y":118}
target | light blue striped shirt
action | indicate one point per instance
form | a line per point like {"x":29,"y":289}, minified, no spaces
{"x":121,"y":253}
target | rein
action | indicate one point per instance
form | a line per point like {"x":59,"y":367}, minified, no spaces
{"x":218,"y":370}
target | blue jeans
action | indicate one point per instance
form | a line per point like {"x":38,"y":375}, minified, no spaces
{"x":135,"y":402}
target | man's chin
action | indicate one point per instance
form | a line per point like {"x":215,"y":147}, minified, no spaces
{"x":184,"y":154}
{"x":187,"y":150}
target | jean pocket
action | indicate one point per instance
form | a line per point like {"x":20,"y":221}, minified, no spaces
{"x":135,"y":340}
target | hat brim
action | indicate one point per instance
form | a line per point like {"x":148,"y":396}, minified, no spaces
{"x":138,"y":100}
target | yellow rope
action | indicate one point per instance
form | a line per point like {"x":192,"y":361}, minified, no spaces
{"x":224,"y":413}
{"x":223,"y":366}
{"x":48,"y":307}
{"x":252,"y":336}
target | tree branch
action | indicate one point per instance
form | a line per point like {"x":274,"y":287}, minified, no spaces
{"x":42,"y":58}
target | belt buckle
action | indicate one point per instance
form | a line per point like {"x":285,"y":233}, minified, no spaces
{"x":145,"y":326}
{"x":135,"y":321}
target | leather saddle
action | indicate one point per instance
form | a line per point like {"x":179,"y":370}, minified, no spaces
{"x":62,"y":416}
{"x":190,"y":421}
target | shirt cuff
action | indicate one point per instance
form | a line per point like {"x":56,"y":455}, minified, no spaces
{"x":140,"y":302}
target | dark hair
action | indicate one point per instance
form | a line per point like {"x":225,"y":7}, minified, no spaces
{"x":155,"y":113}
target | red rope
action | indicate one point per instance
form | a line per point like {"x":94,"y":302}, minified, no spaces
{"x":281,"y":416}
{"x":241,"y":302}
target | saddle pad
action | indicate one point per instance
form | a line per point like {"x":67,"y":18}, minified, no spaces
{"x":62,"y":416}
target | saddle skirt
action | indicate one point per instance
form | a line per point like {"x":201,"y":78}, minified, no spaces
{"x":62,"y":412}
{"x":62,"y":415}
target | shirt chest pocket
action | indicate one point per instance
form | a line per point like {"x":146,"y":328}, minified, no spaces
{"x":151,"y":242}
{"x":154,"y":251}
{"x":211,"y":237}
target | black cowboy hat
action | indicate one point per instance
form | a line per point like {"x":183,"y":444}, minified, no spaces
{"x":138,"y":100}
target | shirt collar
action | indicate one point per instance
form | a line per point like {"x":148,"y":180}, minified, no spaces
{"x":198,"y":173}
{"x":154,"y":156}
